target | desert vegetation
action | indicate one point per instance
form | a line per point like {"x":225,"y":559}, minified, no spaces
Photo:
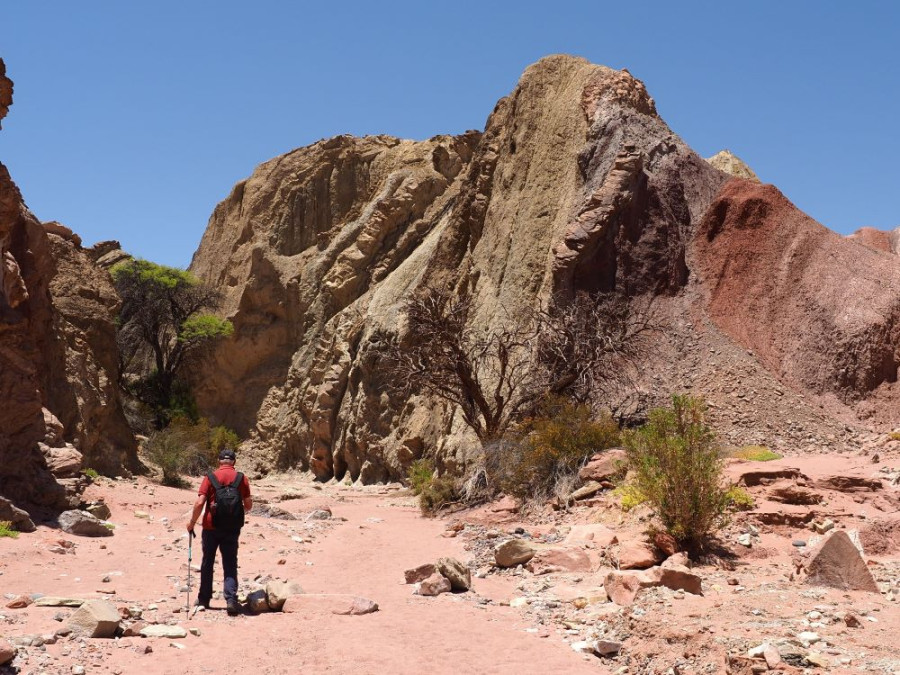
{"x":677,"y":467}
{"x":185,"y":447}
{"x":163,"y":326}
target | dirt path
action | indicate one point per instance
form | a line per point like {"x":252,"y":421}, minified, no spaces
{"x":374,"y":535}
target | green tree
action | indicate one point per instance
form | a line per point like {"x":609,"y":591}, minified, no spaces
{"x":164,"y":323}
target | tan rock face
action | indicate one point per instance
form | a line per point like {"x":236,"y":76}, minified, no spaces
{"x":319,"y":249}
{"x":57,"y":353}
{"x":731,"y":164}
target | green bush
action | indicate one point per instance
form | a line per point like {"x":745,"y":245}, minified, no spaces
{"x":6,"y":529}
{"x":554,"y":445}
{"x":677,"y":464}
{"x":90,"y":473}
{"x":421,"y":472}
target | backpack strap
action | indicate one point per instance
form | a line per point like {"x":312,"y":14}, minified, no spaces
{"x":238,"y":479}
{"x":213,"y":480}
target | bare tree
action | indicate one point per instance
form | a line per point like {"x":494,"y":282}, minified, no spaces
{"x":495,"y":376}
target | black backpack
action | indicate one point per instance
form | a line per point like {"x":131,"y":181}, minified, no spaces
{"x":228,"y":510}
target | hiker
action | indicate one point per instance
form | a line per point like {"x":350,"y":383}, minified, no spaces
{"x":226,"y":495}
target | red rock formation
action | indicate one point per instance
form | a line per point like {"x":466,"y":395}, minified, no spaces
{"x":57,"y":354}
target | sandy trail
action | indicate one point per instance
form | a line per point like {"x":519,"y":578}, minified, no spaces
{"x":375,"y":534}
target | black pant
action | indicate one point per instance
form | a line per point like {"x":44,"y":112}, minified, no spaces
{"x":227,"y":543}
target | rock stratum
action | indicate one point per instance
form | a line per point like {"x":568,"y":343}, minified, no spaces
{"x":576,"y":185}
{"x":58,"y":360}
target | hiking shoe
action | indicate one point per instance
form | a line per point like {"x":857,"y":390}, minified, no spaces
{"x":233,"y":608}
{"x":198,"y":605}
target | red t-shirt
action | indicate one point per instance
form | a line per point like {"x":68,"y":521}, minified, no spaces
{"x":225,"y":475}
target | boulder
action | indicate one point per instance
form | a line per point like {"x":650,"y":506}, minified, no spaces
{"x":679,"y":559}
{"x":560,"y":559}
{"x":587,"y":490}
{"x":258,"y":601}
{"x":677,"y":578}
{"x":19,"y":602}
{"x":54,"y":428}
{"x":420,"y":573}
{"x":63,"y":461}
{"x":20,"y":519}
{"x":459,"y":576}
{"x":311,"y":603}
{"x":637,"y":555}
{"x":54,"y":601}
{"x":622,"y":587}
{"x":7,"y":652}
{"x":665,"y":543}
{"x":837,"y":563}
{"x":605,"y":466}
{"x":433,"y":585}
{"x":279,"y":591}
{"x":160,"y":630}
{"x":95,"y":618}
{"x":99,"y":510}
{"x":513,"y":552}
{"x":83,"y":524}
{"x":594,"y":534}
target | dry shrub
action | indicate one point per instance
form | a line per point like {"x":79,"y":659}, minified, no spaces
{"x":553,"y":446}
{"x":187,"y":448}
{"x":678,"y":468}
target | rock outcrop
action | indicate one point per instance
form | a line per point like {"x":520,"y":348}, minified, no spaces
{"x":730,"y":163}
{"x":58,"y":363}
{"x":576,"y":186}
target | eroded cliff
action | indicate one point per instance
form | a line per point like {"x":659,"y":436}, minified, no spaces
{"x":58,"y":365}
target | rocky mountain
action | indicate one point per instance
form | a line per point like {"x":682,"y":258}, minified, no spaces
{"x":58,"y":361}
{"x":575,"y":185}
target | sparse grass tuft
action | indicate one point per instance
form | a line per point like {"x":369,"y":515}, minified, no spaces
{"x":755,"y":453}
{"x":90,"y":473}
{"x":6,"y":529}
{"x":630,"y":496}
{"x":894,"y":435}
{"x":740,"y":499}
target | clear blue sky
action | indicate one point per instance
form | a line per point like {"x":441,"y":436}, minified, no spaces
{"x":131,"y":120}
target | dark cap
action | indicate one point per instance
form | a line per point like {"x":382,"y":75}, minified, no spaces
{"x":227,"y":454}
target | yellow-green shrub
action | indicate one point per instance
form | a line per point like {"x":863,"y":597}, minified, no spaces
{"x":677,"y":465}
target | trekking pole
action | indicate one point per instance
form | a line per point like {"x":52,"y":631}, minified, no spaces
{"x":190,"y":538}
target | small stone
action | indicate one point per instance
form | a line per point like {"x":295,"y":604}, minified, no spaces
{"x":733,"y":582}
{"x":851,"y":621}
{"x":745,"y":540}
{"x":607,"y":647}
{"x":808,"y":637}
{"x":78,"y":670}
{"x":799,"y":543}
{"x":814,"y":616}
